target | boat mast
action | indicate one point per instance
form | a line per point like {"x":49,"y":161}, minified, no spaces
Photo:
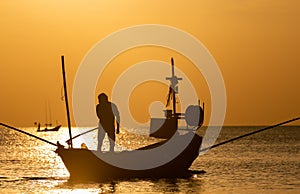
{"x":173,"y":88}
{"x":46,"y":111}
{"x":70,"y":143}
{"x":50,"y":116}
{"x":173,"y":85}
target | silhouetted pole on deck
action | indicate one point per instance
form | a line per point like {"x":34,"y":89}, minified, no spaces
{"x":70,"y":143}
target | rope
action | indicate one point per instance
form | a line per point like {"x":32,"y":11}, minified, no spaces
{"x":31,"y":135}
{"x":248,"y":134}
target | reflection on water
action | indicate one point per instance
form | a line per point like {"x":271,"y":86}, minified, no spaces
{"x":268,"y":162}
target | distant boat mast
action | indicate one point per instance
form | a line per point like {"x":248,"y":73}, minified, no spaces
{"x":48,"y":114}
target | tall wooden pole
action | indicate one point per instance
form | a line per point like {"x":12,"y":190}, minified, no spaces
{"x":66,"y":100}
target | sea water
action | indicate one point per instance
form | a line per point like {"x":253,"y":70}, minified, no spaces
{"x":267,"y":162}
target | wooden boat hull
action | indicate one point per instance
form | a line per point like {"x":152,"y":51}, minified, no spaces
{"x":52,"y":129}
{"x":83,"y":164}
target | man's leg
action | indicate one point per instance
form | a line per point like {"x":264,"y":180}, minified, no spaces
{"x":112,"y":139}
{"x":101,"y":134}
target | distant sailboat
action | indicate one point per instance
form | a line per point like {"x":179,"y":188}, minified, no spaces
{"x":48,"y":123}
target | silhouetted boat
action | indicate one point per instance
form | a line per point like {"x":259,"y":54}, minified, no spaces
{"x":49,"y":129}
{"x":84,"y":164}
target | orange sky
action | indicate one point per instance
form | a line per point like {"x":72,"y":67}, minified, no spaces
{"x":255,"y":43}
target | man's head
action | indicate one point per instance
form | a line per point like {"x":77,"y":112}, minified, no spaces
{"x":102,"y":98}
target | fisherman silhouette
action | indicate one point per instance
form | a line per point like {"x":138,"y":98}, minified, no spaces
{"x":107,"y":112}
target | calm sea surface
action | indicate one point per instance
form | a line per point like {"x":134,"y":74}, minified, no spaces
{"x":268,"y":162}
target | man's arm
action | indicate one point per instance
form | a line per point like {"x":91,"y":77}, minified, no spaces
{"x":98,"y":111}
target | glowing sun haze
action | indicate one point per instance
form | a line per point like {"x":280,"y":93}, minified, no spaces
{"x":255,"y":43}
